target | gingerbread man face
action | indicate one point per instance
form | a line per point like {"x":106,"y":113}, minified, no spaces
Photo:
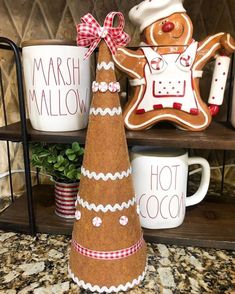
{"x":165,"y":71}
{"x":175,"y":29}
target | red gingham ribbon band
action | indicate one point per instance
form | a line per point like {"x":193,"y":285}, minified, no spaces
{"x":90,"y":33}
{"x":108,"y":255}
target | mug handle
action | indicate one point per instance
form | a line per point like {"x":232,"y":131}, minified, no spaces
{"x":205,"y":181}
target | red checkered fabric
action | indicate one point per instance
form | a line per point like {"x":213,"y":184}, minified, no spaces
{"x":90,"y":33}
{"x":108,"y":255}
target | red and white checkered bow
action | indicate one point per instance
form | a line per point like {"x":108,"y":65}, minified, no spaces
{"x":90,"y":32}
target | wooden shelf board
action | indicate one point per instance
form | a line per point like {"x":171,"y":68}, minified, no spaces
{"x":220,"y":136}
{"x":15,"y":217}
{"x":209,"y":224}
{"x":11,"y":132}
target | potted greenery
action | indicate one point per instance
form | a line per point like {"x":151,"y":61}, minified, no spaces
{"x":63,"y":163}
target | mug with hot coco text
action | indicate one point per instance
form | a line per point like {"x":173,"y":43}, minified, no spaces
{"x":160,"y":180}
{"x":57,"y":82}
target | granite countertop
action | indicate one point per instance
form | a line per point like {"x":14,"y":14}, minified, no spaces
{"x":39,"y":265}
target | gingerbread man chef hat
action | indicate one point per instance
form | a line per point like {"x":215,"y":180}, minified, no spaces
{"x":149,"y":11}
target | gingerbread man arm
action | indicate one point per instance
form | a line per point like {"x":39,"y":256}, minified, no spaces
{"x":130,"y":61}
{"x":221,"y":44}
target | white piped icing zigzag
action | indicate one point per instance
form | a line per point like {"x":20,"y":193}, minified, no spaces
{"x":105,"y":66}
{"x":96,"y":288}
{"x":106,"y":208}
{"x":106,"y":177}
{"x":106,"y":111}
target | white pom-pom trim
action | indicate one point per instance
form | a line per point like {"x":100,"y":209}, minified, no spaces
{"x":96,"y":288}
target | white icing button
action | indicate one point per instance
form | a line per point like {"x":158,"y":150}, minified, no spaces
{"x":95,"y":86}
{"x":103,"y":87}
{"x":123,"y":220}
{"x":76,"y":203}
{"x":97,"y":221}
{"x":112,"y":87}
{"x":78,"y":215}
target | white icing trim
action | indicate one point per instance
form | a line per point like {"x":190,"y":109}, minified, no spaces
{"x":106,"y":111}
{"x":131,"y":126}
{"x":189,"y":30}
{"x":151,"y":35}
{"x":209,"y":39}
{"x":137,"y":82}
{"x":127,"y":69}
{"x":105,"y":66}
{"x":229,"y":43}
{"x":106,"y":177}
{"x":197,"y":73}
{"x":131,"y":54}
{"x":96,"y":288}
{"x":109,"y":207}
{"x":205,"y":56}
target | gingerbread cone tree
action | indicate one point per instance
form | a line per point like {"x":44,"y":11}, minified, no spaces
{"x":108,"y":253}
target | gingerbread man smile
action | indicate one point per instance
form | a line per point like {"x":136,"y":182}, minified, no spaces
{"x":165,"y":74}
{"x":180,"y":34}
{"x":176,"y":30}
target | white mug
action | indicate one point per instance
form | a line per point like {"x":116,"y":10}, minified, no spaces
{"x":160,"y":181}
{"x":57,"y":81}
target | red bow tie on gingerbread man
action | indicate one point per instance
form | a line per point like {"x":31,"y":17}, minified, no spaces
{"x":165,"y":72}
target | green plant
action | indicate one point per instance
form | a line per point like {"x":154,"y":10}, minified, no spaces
{"x":61,"y":161}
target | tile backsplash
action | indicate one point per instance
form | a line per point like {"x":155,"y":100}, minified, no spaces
{"x":42,"y":19}
{"x":27,"y":19}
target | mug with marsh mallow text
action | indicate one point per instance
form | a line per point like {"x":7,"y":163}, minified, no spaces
{"x":160,"y":180}
{"x":57,"y":82}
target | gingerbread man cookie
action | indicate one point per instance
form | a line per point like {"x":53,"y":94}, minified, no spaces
{"x":165,"y":71}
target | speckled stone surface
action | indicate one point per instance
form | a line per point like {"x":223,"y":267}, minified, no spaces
{"x":39,"y":265}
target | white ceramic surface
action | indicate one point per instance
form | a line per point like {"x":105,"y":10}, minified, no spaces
{"x":219,"y":80}
{"x":57,"y":81}
{"x":147,"y":12}
{"x":160,"y":182}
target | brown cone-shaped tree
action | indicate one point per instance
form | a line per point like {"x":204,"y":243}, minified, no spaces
{"x":107,"y":219}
